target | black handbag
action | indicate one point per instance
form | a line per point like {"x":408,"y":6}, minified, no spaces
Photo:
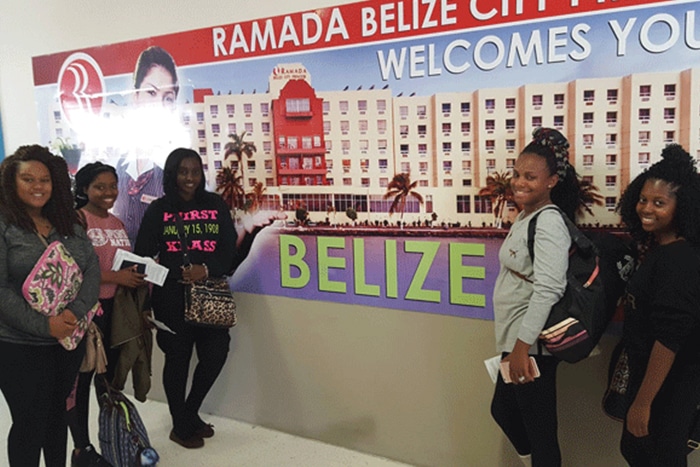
{"x":616,"y":399}
{"x":208,"y":302}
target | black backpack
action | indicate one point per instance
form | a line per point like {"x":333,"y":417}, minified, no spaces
{"x":599,"y":266}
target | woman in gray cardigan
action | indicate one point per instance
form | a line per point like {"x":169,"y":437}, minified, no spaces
{"x":36,"y":372}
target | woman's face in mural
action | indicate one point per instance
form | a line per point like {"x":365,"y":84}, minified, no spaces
{"x":157,"y":88}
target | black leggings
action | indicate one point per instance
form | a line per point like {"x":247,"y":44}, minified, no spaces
{"x":212,"y":350}
{"x":78,"y":416}
{"x":36,"y":380}
{"x":527,"y":414}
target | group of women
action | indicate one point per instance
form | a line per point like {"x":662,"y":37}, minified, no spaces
{"x":36,"y":373}
{"x":661,"y":210}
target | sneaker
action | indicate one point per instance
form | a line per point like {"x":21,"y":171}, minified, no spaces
{"x":205,"y":430}
{"x":88,"y":457}
{"x":193,"y":442}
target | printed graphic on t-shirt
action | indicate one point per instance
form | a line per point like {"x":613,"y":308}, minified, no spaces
{"x":116,"y":238}
{"x":201,"y":228}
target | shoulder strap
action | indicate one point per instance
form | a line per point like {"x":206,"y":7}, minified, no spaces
{"x":43,"y":240}
{"x":577,"y":237}
{"x":531,"y":227}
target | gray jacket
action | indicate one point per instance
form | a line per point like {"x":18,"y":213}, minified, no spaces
{"x":19,"y":252}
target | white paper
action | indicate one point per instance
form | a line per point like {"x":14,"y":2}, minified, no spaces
{"x":155,"y":273}
{"x":160,"y":325}
{"x":493,"y":366}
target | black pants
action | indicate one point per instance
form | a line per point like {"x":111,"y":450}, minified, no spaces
{"x":212,"y":350}
{"x":36,"y":380}
{"x":527,"y":414}
{"x":672,"y":412}
{"x":78,"y":416}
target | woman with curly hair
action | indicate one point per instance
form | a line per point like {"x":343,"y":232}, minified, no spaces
{"x":526,"y":409}
{"x":36,"y":372}
{"x":661,"y":209}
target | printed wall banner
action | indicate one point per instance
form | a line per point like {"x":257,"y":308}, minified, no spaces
{"x":381,"y":134}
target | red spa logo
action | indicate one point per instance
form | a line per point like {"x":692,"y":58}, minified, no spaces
{"x":81,"y":87}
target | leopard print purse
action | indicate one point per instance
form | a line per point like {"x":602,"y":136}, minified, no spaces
{"x":210,"y":303}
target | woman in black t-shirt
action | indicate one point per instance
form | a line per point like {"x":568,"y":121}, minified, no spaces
{"x":661,"y":208}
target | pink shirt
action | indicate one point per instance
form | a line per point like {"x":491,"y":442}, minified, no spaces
{"x":107,"y":235}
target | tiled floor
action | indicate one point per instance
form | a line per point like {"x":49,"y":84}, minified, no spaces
{"x":235,"y":444}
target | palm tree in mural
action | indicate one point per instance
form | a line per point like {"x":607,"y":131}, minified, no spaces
{"x":237,"y":146}
{"x":230,"y":185}
{"x":588,"y":196}
{"x":256,"y":196}
{"x":498,"y":189}
{"x":400,"y":188}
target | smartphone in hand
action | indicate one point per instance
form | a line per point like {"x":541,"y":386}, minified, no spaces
{"x":505,"y":370}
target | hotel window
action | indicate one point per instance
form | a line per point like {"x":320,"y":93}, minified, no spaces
{"x":344,"y":127}
{"x":248,"y":128}
{"x":490,"y":104}
{"x":490,"y":165}
{"x":467,"y":167}
{"x":510,"y":144}
{"x":326,"y":107}
{"x":217,"y":147}
{"x":490,"y":145}
{"x":264,"y":108}
{"x":510,"y":103}
{"x":217,"y":165}
{"x":347,"y":165}
{"x":362,"y":105}
{"x":587,"y":160}
{"x":329,"y":165}
{"x":329,"y":145}
{"x":306,"y":142}
{"x":466,"y":127}
{"x":610,"y":160}
{"x":381,"y":126}
{"x":588,"y":117}
{"x":644,"y":115}
{"x":536,"y":121}
{"x":265,"y":127}
{"x":559,"y":99}
{"x":203,"y":151}
{"x":446,"y":107}
{"x":381,"y":106}
{"x":403,"y":149}
{"x":201,"y":134}
{"x":537,"y":100}
{"x":403,"y":112}
{"x":347,"y":181}
{"x":268,"y":166}
{"x":281,"y":141}
{"x":231,"y":128}
{"x":345,"y":146}
{"x":588,"y":140}
{"x":465,"y":108}
{"x":463,"y":203}
{"x":248,"y":108}
{"x":447,"y":128}
{"x":466,"y":147}
{"x":200,"y":117}
{"x":422,"y":149}
{"x":644,"y":136}
{"x":669,"y":136}
{"x":364,"y":145}
{"x":447,"y":166}
{"x":510,"y":124}
{"x":403,"y":130}
{"x":252,"y":181}
{"x":588,"y":96}
{"x":490,"y":125}
{"x":383,"y":182}
{"x":645,"y":91}
{"x":446,"y":147}
{"x":611,"y":117}
{"x":269,"y":181}
{"x":292,"y":142}
{"x":611,"y":139}
{"x":587,"y":179}
{"x":364,"y":165}
{"x":610,"y":181}
{"x":558,"y":121}
{"x":381,"y":144}
{"x":292,"y":106}
{"x":185,"y":118}
{"x":669,"y":114}
{"x":422,"y":130}
{"x":405,"y":167}
{"x":364,"y":181}
{"x":610,"y":202}
{"x":420,"y":111}
{"x":510,"y":163}
{"x":643,"y":157}
{"x":422,"y":183}
{"x":326,"y":127}
{"x":343,"y":107}
{"x":251,"y":165}
{"x":363,"y":126}
{"x":383,"y":165}
{"x":317,"y":141}
{"x":466,"y":182}
{"x":214,"y":110}
{"x":612,"y":96}
{"x":670,"y":90}
{"x":423,"y":167}
{"x":447,"y":182}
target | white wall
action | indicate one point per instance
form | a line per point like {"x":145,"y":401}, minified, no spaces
{"x":408,"y":386}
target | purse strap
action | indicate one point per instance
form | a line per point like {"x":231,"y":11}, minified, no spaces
{"x":183,"y":242}
{"x":43,"y":240}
